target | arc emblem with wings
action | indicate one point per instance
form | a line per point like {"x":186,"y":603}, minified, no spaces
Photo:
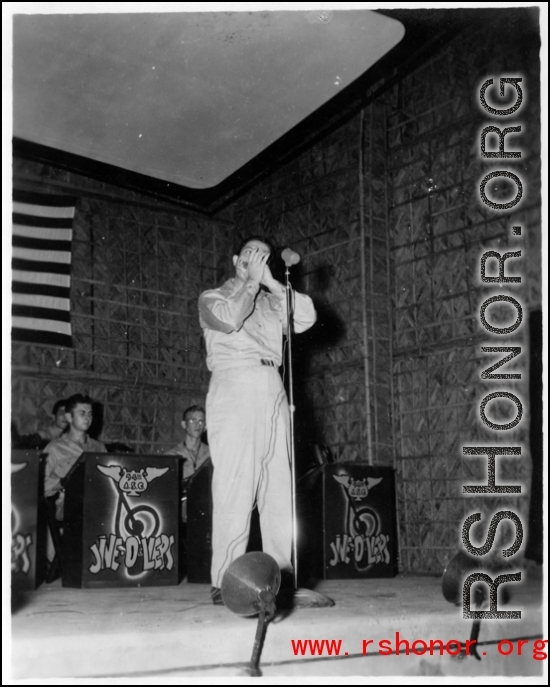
{"x":131,"y":482}
{"x":355,"y":488}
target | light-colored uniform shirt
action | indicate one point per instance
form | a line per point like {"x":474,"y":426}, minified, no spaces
{"x":248,"y":325}
{"x":62,"y":454}
{"x":192,"y":462}
{"x":50,"y":433}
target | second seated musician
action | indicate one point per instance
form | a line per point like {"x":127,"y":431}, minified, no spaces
{"x":192,"y":448}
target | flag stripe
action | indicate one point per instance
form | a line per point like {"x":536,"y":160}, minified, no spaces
{"x":41,"y":300}
{"x":41,"y":244}
{"x":39,"y":313}
{"x":43,"y":199}
{"x":43,"y":233}
{"x":41,"y":255}
{"x":35,"y":266}
{"x":41,"y":289}
{"x":55,"y":222}
{"x":44,"y":278}
{"x":42,"y":210}
{"x":41,"y":266}
{"x":45,"y":325}
{"x":40,"y":336}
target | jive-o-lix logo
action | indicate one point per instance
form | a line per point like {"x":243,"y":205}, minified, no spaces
{"x":136,"y":543}
{"x":20,"y":543}
{"x":20,"y":560}
{"x":361,"y":540}
{"x":152,"y":553}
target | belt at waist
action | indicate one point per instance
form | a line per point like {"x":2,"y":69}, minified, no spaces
{"x":252,"y":362}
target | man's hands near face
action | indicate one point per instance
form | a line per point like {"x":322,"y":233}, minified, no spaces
{"x":258,"y":272}
{"x":269,"y":281}
{"x":257,"y":264}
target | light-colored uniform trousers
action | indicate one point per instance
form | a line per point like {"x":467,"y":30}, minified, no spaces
{"x":248,"y":434}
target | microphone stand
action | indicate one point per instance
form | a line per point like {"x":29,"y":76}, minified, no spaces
{"x":302,"y":598}
{"x":292,"y":408}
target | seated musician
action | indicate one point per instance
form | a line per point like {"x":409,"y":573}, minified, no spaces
{"x":195,"y":451}
{"x":39,"y":439}
{"x":63,"y":452}
{"x":59,"y":422}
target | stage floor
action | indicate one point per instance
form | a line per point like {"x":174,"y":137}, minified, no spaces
{"x":176,"y":632}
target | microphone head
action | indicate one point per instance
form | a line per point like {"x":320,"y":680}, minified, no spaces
{"x":290,"y":257}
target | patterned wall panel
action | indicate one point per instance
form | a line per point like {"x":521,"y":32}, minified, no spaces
{"x":439,"y":229}
{"x":138,"y":268}
{"x":385,"y":213}
{"x":314,"y":205}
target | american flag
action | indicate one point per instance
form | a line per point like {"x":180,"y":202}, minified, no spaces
{"x":41,"y":268}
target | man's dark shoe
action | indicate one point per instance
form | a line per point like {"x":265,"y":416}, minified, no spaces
{"x":216,"y":596}
{"x":285,"y":598}
{"x":285,"y":595}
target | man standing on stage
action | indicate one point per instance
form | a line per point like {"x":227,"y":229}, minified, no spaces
{"x":248,"y":416}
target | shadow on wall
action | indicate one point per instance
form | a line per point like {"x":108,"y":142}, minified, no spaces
{"x":97,"y":428}
{"x":98,"y":419}
{"x":330,"y":328}
{"x":329,"y":331}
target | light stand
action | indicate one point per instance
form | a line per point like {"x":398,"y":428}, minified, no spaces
{"x":302,"y":598}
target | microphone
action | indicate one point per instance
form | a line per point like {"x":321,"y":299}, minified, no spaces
{"x":290,"y":257}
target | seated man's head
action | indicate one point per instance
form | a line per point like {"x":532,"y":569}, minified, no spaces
{"x":58,"y":415}
{"x":78,"y":412}
{"x":194,"y":421}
